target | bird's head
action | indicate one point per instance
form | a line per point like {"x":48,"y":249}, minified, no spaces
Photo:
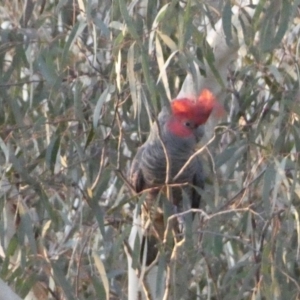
{"x":187,"y":114}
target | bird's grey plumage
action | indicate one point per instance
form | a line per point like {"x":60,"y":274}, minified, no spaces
{"x":148,"y":171}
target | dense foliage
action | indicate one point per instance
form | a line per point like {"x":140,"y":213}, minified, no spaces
{"x":80,"y":83}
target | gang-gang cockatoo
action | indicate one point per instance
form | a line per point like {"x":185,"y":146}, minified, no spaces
{"x":179,"y":131}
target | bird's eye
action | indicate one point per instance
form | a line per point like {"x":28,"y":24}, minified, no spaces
{"x":189,"y":124}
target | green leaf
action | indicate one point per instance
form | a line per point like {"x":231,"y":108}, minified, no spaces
{"x":93,"y":201}
{"x":118,"y":43}
{"x":210,"y":58}
{"x":12,"y":246}
{"x":97,"y":111}
{"x":218,"y":245}
{"x":296,"y":135}
{"x":149,"y":81}
{"x":76,"y":31}
{"x":133,"y":80}
{"x":90,"y":137}
{"x":98,"y":286}
{"x":26,"y":229}
{"x":52,"y":151}
{"x":101,"y":269}
{"x":130,"y":25}
{"x":48,"y":71}
{"x":285,"y":14}
{"x":162,"y":67}
{"x":5,"y":150}
{"x":79,"y":115}
{"x":267,"y":34}
{"x":168,"y":41}
{"x":61,"y":280}
{"x":16,"y":109}
{"x":136,"y":252}
{"x":160,"y":278}
{"x":186,"y":26}
{"x":18,"y":165}
{"x":226,"y":21}
{"x":27,"y":285}
{"x":101,"y":25}
{"x":257,"y":14}
{"x":269,"y":179}
{"x":230,"y":154}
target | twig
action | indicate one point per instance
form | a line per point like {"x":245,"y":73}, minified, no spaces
{"x":104,"y":147}
{"x":141,"y":270}
{"x":88,"y":235}
{"x":194,"y":155}
{"x":230,"y":201}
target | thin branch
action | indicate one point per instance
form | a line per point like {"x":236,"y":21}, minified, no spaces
{"x":6,"y":85}
{"x":195,"y":154}
{"x":170,"y":269}
{"x":230,"y":201}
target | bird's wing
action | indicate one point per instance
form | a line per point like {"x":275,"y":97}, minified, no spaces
{"x":149,"y":239}
{"x":136,"y":175}
{"x":198,"y":181}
